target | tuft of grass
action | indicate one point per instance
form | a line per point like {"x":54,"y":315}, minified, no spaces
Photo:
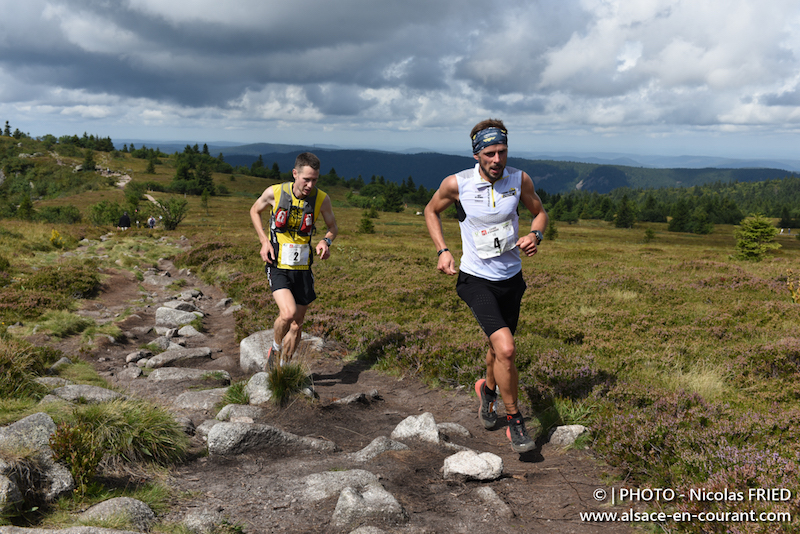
{"x":286,"y":381}
{"x":81,"y":372}
{"x":236,"y":393}
{"x":702,"y":378}
{"x":20,"y":364}
{"x":62,"y":323}
{"x":177,"y":284}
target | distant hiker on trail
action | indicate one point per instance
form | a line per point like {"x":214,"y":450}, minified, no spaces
{"x":151,"y":222}
{"x":490,"y":278}
{"x":288,"y":251}
{"x":124,"y":221}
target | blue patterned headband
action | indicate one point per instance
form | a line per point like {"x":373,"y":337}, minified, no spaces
{"x":488,"y":137}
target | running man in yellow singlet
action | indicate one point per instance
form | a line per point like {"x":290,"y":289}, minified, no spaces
{"x":288,"y":251}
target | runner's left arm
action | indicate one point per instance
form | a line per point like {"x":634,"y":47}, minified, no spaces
{"x":323,"y":250}
{"x":531,"y":200}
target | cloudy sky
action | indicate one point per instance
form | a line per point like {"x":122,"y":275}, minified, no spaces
{"x":671,"y":77}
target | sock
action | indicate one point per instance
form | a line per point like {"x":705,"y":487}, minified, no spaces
{"x":488,"y":392}
{"x":514,"y":416}
{"x":275,"y":346}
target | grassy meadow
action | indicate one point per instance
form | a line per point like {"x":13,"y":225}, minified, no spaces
{"x":683,"y":361}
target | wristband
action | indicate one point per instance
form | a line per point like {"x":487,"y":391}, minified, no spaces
{"x":327,"y":240}
{"x":538,"y":235}
{"x":439,"y":253}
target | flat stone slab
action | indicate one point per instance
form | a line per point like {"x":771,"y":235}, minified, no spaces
{"x":178,"y":374}
{"x":237,"y":438}
{"x":201,"y":401}
{"x":82,"y":392}
{"x":179,"y":356}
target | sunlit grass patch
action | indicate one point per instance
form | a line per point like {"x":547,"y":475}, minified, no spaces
{"x":82,"y":372}
{"x":702,"y":378}
{"x":623,"y":295}
{"x":59,"y":323}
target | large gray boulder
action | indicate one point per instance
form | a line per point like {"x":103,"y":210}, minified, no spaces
{"x":32,"y":434}
{"x":172,"y":318}
{"x":181,"y":356}
{"x":237,"y":438}
{"x":132,"y":511}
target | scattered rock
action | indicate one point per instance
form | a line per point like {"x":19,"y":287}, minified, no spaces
{"x":368,"y":504}
{"x":421,"y":427}
{"x":132,"y":511}
{"x":469,"y":465}
{"x":565,"y":436}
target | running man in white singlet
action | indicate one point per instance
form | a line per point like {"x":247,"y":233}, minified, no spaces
{"x":490,"y":275}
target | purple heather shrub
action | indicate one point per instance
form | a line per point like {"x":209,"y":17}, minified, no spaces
{"x":559,"y":373}
{"x":780,"y":359}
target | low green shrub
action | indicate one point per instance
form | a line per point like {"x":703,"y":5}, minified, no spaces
{"x":59,"y":215}
{"x":74,"y":445}
{"x":134,"y":431}
{"x":72,"y":280}
{"x":20,"y":364}
{"x":286,"y":381}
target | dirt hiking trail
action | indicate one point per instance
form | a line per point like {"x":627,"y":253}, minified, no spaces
{"x":541,"y":491}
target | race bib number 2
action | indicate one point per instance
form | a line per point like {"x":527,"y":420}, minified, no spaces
{"x":294,"y":254}
{"x":492,"y":241}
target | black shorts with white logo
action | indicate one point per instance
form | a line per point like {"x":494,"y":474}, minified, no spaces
{"x":299,"y":282}
{"x":495,"y":305}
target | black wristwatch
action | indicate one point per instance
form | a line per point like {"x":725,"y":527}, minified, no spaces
{"x":327,"y":240}
{"x":538,"y":235}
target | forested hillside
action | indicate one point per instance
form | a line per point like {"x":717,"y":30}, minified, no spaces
{"x":691,"y":200}
{"x":428,"y":169}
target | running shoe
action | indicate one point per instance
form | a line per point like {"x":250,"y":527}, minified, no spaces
{"x":520,"y":440}
{"x":486,"y":413}
{"x":273,"y":359}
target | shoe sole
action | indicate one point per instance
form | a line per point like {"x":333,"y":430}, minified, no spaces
{"x":478,"y":387}
{"x":270,"y":365}
{"x":520,"y":448}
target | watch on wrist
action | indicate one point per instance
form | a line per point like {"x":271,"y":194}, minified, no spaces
{"x":538,"y":235}
{"x":327,"y":240}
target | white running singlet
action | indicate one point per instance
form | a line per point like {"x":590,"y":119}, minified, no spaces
{"x":490,"y":230}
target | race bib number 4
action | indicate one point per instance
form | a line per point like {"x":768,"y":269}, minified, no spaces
{"x":293,"y":254}
{"x":492,"y":241}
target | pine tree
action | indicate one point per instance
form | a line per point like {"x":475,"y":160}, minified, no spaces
{"x":755,"y":237}
{"x":625,"y":214}
{"x":88,"y":160}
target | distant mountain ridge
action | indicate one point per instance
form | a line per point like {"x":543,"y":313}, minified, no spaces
{"x":428,"y":169}
{"x":560,"y":172}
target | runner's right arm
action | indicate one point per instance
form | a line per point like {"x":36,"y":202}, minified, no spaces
{"x":444,"y":197}
{"x":263,"y":203}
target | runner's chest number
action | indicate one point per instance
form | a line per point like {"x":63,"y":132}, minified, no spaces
{"x":294,"y":254}
{"x":495,"y":240}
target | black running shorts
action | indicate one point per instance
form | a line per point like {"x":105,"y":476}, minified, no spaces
{"x":299,"y":282}
{"x":495,"y":305}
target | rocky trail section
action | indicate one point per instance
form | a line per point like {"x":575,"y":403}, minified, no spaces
{"x":363,"y":452}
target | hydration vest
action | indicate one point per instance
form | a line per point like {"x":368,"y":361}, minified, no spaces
{"x":290,"y":224}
